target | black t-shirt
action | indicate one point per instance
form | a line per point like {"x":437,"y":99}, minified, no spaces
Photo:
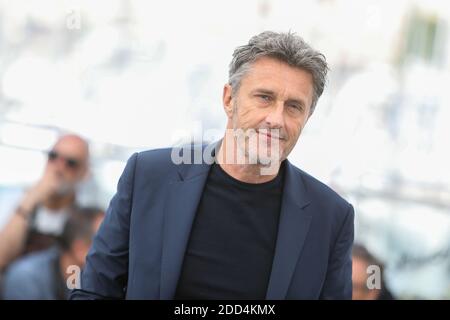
{"x":232,"y":242}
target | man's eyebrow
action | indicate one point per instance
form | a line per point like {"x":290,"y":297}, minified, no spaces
{"x":296,"y":101}
{"x":264,"y":91}
{"x":272,"y":93}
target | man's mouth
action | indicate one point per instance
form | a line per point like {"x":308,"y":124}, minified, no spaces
{"x":270,"y":134}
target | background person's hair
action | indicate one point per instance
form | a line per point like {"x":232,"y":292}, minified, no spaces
{"x":79,"y":225}
{"x":361,"y":252}
{"x":287,"y":47}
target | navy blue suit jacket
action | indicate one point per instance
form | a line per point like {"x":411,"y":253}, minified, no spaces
{"x":139,"y":249}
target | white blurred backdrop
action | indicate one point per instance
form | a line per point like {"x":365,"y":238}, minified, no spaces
{"x":132,"y":75}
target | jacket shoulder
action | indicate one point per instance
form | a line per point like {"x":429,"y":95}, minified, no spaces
{"x":160,"y":162}
{"x":153,"y":164}
{"x":318,"y":190}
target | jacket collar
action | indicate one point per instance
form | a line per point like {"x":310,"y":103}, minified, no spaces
{"x":181,"y":206}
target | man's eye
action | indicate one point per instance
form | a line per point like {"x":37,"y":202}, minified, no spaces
{"x":295,"y":107}
{"x":264,"y":97}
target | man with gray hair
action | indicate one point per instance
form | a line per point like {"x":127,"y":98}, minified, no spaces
{"x":242,"y":223}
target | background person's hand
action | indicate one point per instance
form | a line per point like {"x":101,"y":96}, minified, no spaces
{"x":49,"y":184}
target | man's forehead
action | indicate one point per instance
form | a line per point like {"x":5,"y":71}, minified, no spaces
{"x":276,"y":75}
{"x":272,"y":64}
{"x":73,"y":145}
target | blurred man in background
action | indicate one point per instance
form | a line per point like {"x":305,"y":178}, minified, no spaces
{"x":40,"y":216}
{"x":362,"y":259}
{"x":43,"y":275}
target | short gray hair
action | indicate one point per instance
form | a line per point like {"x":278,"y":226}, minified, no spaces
{"x":287,"y":47}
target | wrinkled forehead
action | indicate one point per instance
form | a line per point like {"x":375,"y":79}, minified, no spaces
{"x":278,"y":76}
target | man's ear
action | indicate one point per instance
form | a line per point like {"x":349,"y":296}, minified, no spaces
{"x":227,"y":100}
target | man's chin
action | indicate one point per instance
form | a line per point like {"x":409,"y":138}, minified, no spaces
{"x":264,"y":158}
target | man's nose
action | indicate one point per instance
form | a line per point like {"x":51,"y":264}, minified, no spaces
{"x":275,"y":117}
{"x":60,"y":164}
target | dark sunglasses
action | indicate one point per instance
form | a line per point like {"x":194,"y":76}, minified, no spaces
{"x":70,"y":162}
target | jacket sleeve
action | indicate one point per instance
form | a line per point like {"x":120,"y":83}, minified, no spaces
{"x":105,"y":273}
{"x":338,"y":282}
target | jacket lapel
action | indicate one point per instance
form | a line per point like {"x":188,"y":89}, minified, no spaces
{"x":292,"y":230}
{"x":181,"y":205}
{"x":180,"y":209}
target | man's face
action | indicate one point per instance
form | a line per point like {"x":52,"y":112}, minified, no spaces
{"x":80,"y":247}
{"x":272,"y":95}
{"x":359,"y":281}
{"x":68,"y":162}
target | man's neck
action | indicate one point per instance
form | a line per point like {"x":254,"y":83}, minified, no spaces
{"x":57,"y":202}
{"x":249,"y":173}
